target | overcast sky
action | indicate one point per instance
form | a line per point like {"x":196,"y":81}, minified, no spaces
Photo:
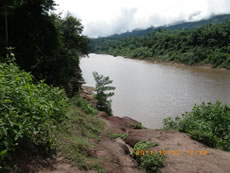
{"x":106,"y":17}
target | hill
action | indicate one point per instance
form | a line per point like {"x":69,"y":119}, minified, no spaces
{"x":215,"y":19}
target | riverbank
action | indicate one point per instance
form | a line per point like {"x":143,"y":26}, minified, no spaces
{"x":167,"y":62}
{"x":190,"y":155}
{"x":115,"y":153}
{"x":186,"y":159}
{"x":114,"y":147}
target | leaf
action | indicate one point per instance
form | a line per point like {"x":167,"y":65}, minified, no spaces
{"x":3,"y":153}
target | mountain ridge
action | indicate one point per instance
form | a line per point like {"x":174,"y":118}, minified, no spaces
{"x":180,"y":25}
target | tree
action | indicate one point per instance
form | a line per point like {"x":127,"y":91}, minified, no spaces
{"x":103,"y":93}
{"x":25,"y":25}
{"x":65,"y":70}
{"x":4,"y":6}
{"x":46,"y":45}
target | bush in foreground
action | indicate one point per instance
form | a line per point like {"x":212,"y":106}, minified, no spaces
{"x":28,"y":112}
{"x":150,"y":161}
{"x":208,"y":123}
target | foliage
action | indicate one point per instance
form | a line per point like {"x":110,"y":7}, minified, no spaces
{"x":46,"y":45}
{"x":137,"y":125}
{"x":143,"y":145}
{"x":84,"y":105}
{"x":103,"y":93}
{"x":77,"y":136}
{"x":28,"y":112}
{"x":150,"y":162}
{"x":203,"y":45}
{"x":208,"y":123}
{"x":117,"y":135}
{"x":171,"y":123}
{"x":64,"y":66}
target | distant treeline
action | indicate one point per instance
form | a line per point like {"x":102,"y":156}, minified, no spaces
{"x":209,"y":44}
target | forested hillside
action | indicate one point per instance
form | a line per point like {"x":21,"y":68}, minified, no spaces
{"x":216,"y":19}
{"x":209,"y":44}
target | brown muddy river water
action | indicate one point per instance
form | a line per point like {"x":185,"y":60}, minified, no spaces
{"x":150,"y":92}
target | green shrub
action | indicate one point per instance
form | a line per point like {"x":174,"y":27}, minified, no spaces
{"x":84,"y":105}
{"x":117,"y":135}
{"x":208,"y":123}
{"x":151,"y":162}
{"x":137,"y":125}
{"x":28,"y":111}
{"x":171,"y":123}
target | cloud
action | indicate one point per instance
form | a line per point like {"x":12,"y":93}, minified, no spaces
{"x":103,"y":17}
{"x":121,"y":23}
{"x":217,"y":7}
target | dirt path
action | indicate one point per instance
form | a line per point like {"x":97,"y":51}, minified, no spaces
{"x":116,"y":153}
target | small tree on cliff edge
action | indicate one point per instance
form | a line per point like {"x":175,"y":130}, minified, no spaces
{"x":103,"y":93}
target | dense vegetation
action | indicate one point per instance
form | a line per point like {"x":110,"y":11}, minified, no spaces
{"x":207,"y":123}
{"x":29,"y":112}
{"x":33,"y":108}
{"x":205,"y":45}
{"x":36,"y":118}
{"x":46,"y":45}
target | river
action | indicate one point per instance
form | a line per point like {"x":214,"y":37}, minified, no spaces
{"x":150,"y":92}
